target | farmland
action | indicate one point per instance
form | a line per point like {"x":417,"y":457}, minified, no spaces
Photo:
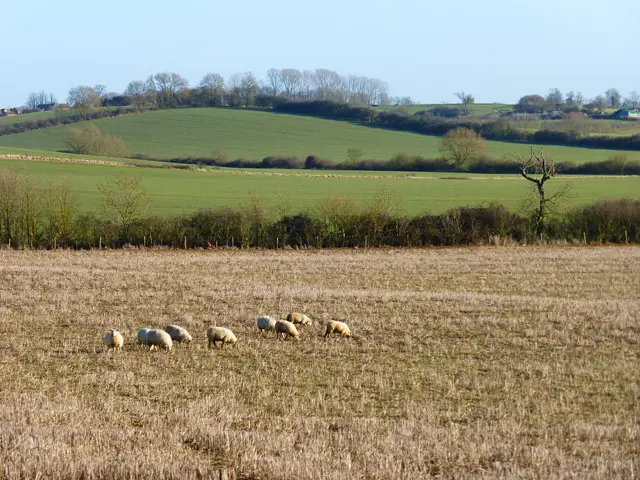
{"x":256,"y":134}
{"x":174,"y":191}
{"x":515,"y":362}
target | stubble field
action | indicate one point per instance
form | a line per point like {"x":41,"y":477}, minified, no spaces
{"x":513,"y":362}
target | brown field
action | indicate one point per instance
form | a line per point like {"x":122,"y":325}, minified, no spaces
{"x":512,"y":362}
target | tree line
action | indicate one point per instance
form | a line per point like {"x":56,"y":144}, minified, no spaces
{"x":574,"y":101}
{"x":37,"y":215}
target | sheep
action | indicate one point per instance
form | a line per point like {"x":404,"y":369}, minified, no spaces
{"x":337,"y":327}
{"x":142,"y":336}
{"x":178,"y":334}
{"x":220,"y":334}
{"x":287,"y":329}
{"x":159,"y":339}
{"x":266,"y":323}
{"x":298,"y":318}
{"x":114,"y":340}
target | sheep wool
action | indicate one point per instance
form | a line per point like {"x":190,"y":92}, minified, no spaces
{"x":298,"y":318}
{"x":266,"y":323}
{"x":286,"y":329}
{"x":178,"y":334}
{"x":337,"y":327}
{"x":142,"y":336}
{"x":114,"y":340}
{"x":159,"y":339}
{"x":222,"y":335}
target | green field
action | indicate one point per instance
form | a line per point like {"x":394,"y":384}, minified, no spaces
{"x":26,"y":117}
{"x":255,"y":135}
{"x":475,"y":109}
{"x":174,"y":191}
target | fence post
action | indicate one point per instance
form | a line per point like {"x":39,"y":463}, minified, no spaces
{"x":100,"y":244}
{"x":144,"y":241}
{"x":185,"y":242}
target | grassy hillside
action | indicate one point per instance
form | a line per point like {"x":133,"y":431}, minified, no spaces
{"x":174,"y":191}
{"x":27,"y":117}
{"x":255,"y":135}
{"x":476,"y":109}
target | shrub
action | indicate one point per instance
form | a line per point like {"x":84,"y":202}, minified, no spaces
{"x":91,"y":141}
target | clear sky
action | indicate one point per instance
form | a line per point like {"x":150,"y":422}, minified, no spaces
{"x":498,"y":50}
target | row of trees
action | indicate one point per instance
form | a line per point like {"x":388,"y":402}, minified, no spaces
{"x":555,"y":99}
{"x":170,"y":89}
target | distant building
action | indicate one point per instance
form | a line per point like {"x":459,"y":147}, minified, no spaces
{"x":9,"y":112}
{"x":628,"y":114}
{"x":47,"y":106}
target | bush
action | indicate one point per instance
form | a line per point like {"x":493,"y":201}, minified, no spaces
{"x":90,"y":140}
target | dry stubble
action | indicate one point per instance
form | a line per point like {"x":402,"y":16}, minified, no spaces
{"x":480,"y":362}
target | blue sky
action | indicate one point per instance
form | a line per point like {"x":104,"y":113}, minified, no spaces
{"x":498,"y":50}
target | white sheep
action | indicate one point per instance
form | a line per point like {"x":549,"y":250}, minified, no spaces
{"x":114,"y":340}
{"x":287,"y":329}
{"x":159,"y":339}
{"x":142,"y":336}
{"x":266,"y":323}
{"x":178,"y":334}
{"x":220,"y":334}
{"x":298,"y":318}
{"x":337,"y":327}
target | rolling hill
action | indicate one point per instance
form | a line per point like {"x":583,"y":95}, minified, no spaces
{"x":207,"y":132}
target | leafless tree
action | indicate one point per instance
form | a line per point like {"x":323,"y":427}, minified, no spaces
{"x":139,"y":92}
{"x":307,"y":82}
{"x":274,"y":82}
{"x":613,"y":97}
{"x":632,"y":100}
{"x":538,"y":169}
{"x":167,"y":86}
{"x":39,"y":98}
{"x":83,"y":98}
{"x":599,"y":102}
{"x":213,"y":86}
{"x":554,"y":97}
{"x":574,"y":98}
{"x":290,"y":79}
{"x":101,"y":90}
{"x":466,"y":99}
{"x":248,"y":89}
{"x":461,"y":145}
{"x":124,"y":201}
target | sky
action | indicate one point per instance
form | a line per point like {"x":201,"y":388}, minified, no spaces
{"x":497,"y":50}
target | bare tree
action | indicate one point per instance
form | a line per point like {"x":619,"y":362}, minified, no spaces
{"x":83,"y":99}
{"x":213,"y":86}
{"x":554,"y":97}
{"x":466,"y":99}
{"x":574,"y":98}
{"x":139,"y":92}
{"x":101,"y":90}
{"x":613,"y":97}
{"x":290,"y":79}
{"x":248,"y":89}
{"x":632,"y":100}
{"x":539,"y":169}
{"x":124,"y":201}
{"x":461,"y":145}
{"x":307,"y":83}
{"x":39,"y":98}
{"x":167,"y":86}
{"x":599,"y":102}
{"x":274,"y":82}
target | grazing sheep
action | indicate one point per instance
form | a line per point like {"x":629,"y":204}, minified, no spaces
{"x":287,"y":329}
{"x":337,"y":327}
{"x":178,"y":334}
{"x":266,"y":323}
{"x":142,"y":336}
{"x":159,"y":339}
{"x":222,"y":335}
{"x":298,"y":318}
{"x":114,"y":340}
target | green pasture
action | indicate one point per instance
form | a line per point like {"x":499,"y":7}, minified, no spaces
{"x":27,"y":117}
{"x":475,"y":109}
{"x":176,"y":191}
{"x":253,"y":135}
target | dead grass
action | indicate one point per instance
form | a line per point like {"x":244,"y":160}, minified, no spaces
{"x":484,"y":362}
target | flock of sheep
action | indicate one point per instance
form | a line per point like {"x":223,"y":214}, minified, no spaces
{"x":164,"y":339}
